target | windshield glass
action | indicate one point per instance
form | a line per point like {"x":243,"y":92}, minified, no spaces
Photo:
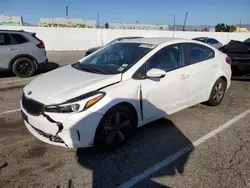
{"x":115,"y":58}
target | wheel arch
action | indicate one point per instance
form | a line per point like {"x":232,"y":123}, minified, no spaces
{"x":225,"y":79}
{"x":20,"y":56}
{"x":127,"y":104}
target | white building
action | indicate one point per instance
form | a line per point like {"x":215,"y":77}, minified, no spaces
{"x":11,"y":20}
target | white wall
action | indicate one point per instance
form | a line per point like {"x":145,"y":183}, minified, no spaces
{"x":82,"y":39}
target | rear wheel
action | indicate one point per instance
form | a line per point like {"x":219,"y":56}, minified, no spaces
{"x":23,"y":67}
{"x":217,"y":93}
{"x":115,"y":128}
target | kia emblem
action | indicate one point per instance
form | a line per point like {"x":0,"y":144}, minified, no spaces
{"x":29,"y":93}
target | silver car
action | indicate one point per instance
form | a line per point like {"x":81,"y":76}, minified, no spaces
{"x":211,"y":41}
{"x":21,"y":52}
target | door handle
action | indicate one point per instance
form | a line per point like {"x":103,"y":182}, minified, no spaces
{"x":12,"y":49}
{"x":184,"y":76}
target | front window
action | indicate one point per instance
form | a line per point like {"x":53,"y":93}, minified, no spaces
{"x":114,"y":59}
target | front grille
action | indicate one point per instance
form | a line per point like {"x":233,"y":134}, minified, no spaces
{"x":33,"y":107}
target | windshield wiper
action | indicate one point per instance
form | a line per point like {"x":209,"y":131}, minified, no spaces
{"x":94,"y":70}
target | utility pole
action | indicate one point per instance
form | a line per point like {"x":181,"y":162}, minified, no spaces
{"x":185,"y":21}
{"x":98,"y":23}
{"x":174,"y":24}
{"x":174,"y":27}
{"x":67,"y":13}
{"x":240,"y":23}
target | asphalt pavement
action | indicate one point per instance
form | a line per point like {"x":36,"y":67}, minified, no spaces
{"x":198,"y":147}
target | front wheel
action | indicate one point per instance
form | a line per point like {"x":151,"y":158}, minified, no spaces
{"x":115,"y":128}
{"x":217,"y":93}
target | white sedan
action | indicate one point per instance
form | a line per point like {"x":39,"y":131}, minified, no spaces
{"x":102,"y":99}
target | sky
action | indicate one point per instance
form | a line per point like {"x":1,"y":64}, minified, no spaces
{"x":200,"y":12}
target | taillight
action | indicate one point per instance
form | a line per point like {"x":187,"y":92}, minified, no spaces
{"x":228,"y":60}
{"x":41,"y":44}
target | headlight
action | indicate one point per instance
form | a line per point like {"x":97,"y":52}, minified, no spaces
{"x":77,"y":106}
{"x":63,"y":109}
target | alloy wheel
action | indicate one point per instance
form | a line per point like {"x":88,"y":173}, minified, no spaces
{"x":24,"y":68}
{"x":218,"y":92}
{"x":117,"y":127}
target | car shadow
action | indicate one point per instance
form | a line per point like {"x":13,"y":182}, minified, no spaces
{"x":153,"y":143}
{"x":43,"y":68}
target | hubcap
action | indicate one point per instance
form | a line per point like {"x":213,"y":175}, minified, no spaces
{"x":24,"y":68}
{"x":116,"y":127}
{"x":218,"y":92}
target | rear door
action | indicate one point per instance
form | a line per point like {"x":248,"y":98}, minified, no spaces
{"x":201,"y":68}
{"x":7,"y":50}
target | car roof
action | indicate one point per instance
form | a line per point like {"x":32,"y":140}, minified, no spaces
{"x":16,"y":31}
{"x":155,"y":40}
{"x":6,"y":30}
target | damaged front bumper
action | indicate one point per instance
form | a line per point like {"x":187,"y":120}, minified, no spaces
{"x":66,"y":130}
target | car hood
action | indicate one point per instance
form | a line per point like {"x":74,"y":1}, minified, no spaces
{"x":66,"y":83}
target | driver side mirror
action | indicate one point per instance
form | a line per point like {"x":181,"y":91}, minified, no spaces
{"x":156,"y":73}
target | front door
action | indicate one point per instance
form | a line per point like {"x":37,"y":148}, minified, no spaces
{"x":164,"y":95}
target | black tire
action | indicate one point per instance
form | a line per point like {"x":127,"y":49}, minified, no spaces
{"x":108,"y":128}
{"x":23,"y":67}
{"x":217,"y":93}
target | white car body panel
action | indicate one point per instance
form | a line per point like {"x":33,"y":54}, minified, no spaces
{"x":178,"y":90}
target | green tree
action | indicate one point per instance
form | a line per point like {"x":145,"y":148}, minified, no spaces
{"x":225,"y":28}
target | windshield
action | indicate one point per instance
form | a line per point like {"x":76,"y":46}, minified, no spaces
{"x":115,"y":58}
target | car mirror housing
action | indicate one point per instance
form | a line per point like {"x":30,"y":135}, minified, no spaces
{"x":156,"y":73}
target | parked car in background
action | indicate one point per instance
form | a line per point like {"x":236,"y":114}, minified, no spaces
{"x":21,"y":52}
{"x":125,"y":85}
{"x":240,"y":55}
{"x":247,"y":40}
{"x":91,"y":50}
{"x":211,"y":41}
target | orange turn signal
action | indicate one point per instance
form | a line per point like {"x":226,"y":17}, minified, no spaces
{"x":93,"y":101}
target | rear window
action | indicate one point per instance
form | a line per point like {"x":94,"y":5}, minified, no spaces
{"x":197,"y":53}
{"x":19,"y":38}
